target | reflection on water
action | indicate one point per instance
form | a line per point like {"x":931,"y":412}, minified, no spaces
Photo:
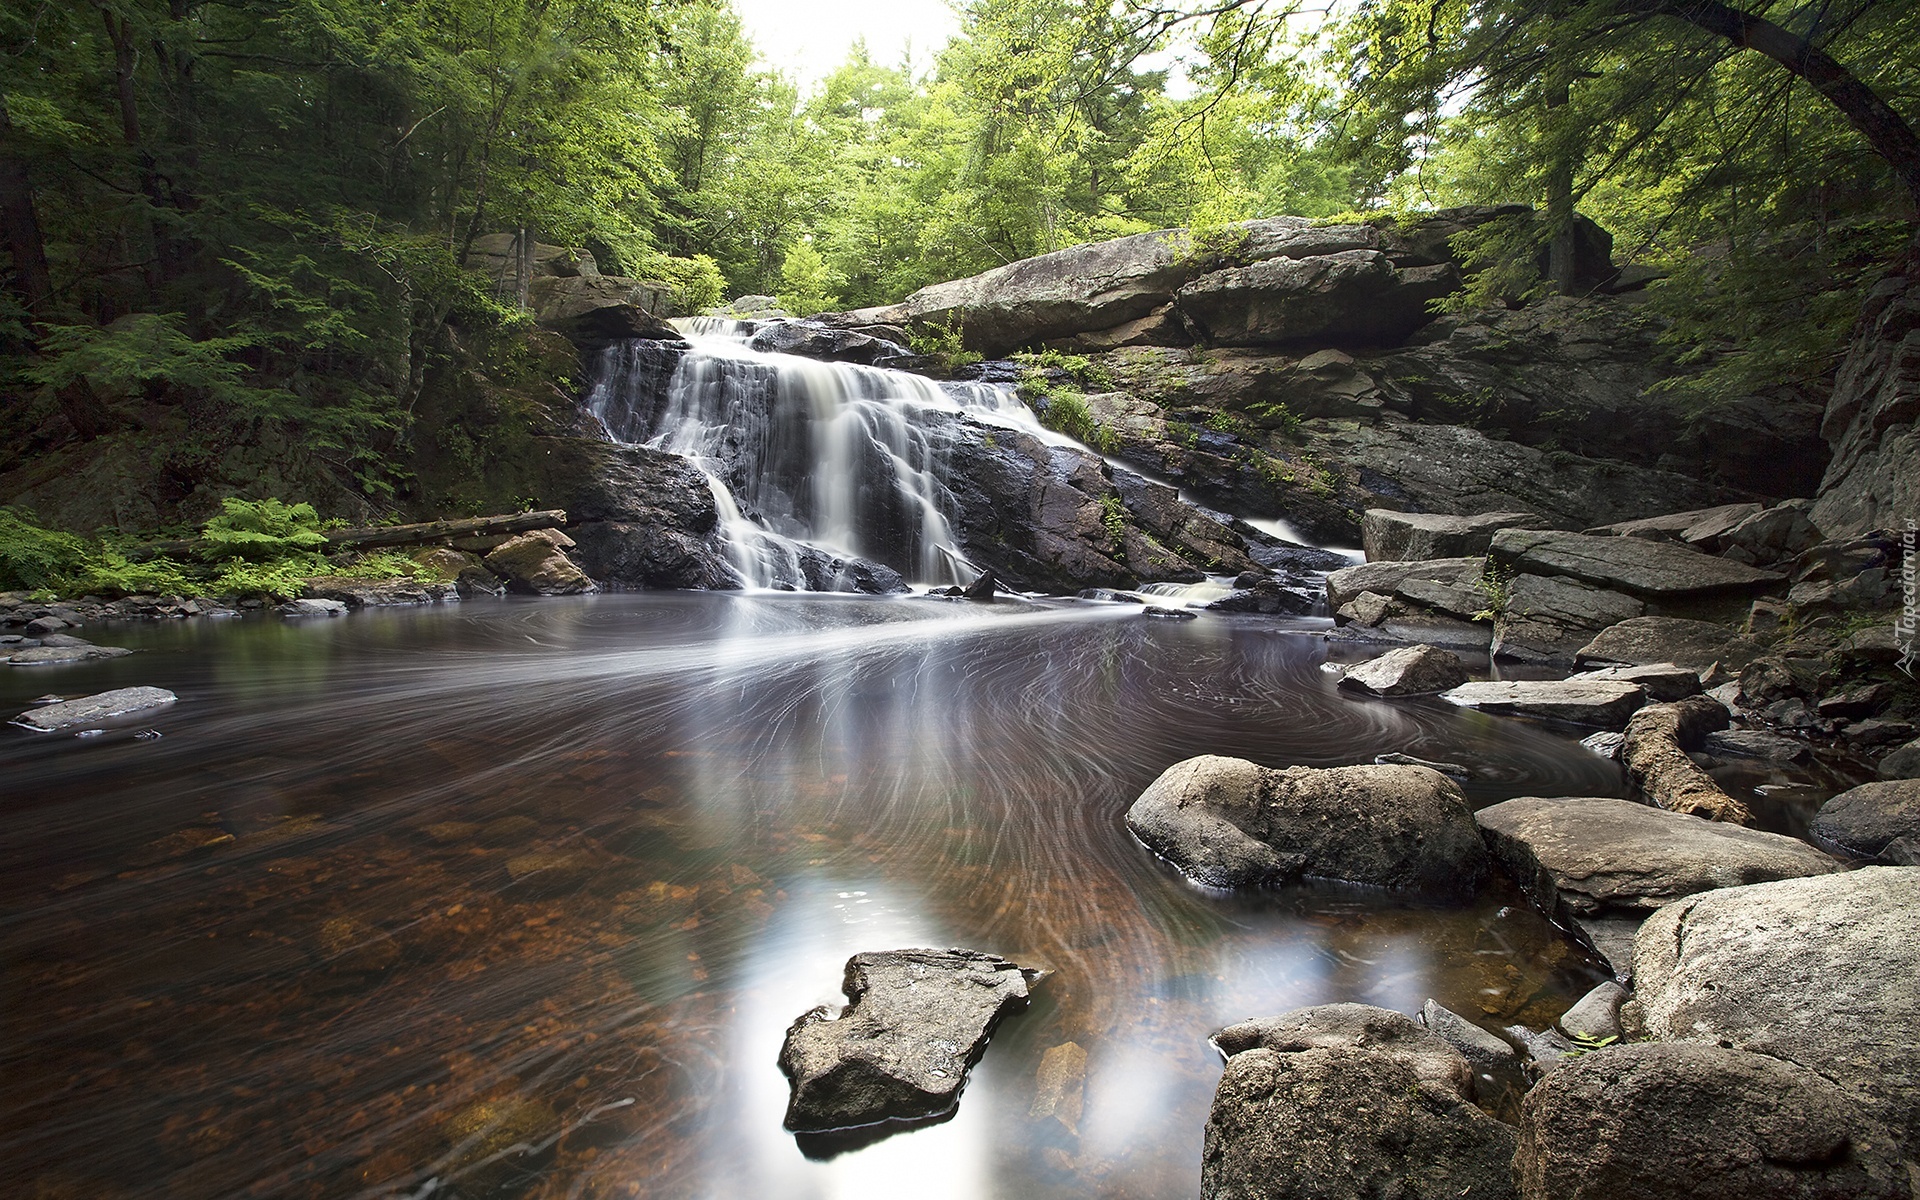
{"x":519,"y":898}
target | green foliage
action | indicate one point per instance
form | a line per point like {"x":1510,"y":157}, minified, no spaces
{"x":140,"y":355}
{"x":1067,"y":412}
{"x":807,"y":285}
{"x":32,"y":558}
{"x":944,"y":343}
{"x":1495,"y":585}
{"x":695,"y":283}
{"x":1276,"y":415}
{"x":1113,"y":518}
{"x":261,"y":531}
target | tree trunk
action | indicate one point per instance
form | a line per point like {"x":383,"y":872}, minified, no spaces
{"x":1876,"y":120}
{"x":25,"y":242}
{"x":1563,"y":267}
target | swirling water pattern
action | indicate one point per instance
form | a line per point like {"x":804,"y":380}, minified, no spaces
{"x":518,"y":898}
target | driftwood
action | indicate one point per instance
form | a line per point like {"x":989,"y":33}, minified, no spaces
{"x":375,"y":536}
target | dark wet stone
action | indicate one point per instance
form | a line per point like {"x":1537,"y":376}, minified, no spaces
{"x":1862,"y":822}
{"x":916,"y":1023}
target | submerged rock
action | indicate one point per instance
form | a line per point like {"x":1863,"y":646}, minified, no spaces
{"x":1408,"y":671}
{"x":916,"y":1022}
{"x":1606,"y":704}
{"x":1583,"y":855}
{"x":1226,"y":822}
{"x":98,"y":707}
{"x":1692,"y":1121}
{"x":45,"y":655}
{"x":1349,"y":1101}
{"x":1823,"y":972}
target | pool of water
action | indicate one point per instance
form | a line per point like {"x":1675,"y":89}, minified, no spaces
{"x":517,"y":898}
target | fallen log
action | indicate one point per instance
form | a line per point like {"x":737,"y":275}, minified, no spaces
{"x":377,"y":536}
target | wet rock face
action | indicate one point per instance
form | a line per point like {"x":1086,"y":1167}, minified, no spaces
{"x":1653,"y":570}
{"x":1696,"y":645}
{"x":1823,"y":972}
{"x":1874,"y":478}
{"x":1348,"y":1100}
{"x":1584,"y":855}
{"x":1353,"y":296}
{"x":1226,"y":822}
{"x":1702,"y":1122}
{"x":916,"y":1023}
{"x":1389,"y":535}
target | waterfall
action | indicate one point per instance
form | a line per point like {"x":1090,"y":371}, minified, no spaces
{"x":805,"y":457}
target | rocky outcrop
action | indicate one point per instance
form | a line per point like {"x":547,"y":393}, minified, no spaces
{"x":1872,"y":821}
{"x":916,"y":1022}
{"x":1546,"y":619}
{"x":1585,"y":855}
{"x":1691,"y":1121}
{"x":102,"y":706}
{"x":1873,"y":416}
{"x":1408,"y":671}
{"x":1662,"y":681}
{"x":1659,"y":571}
{"x":1347,"y":1102}
{"x":1586,"y":702}
{"x":1655,"y":753}
{"x":1353,"y":297}
{"x":1226,"y":822}
{"x":1695,"y":645}
{"x":1823,"y":972}
{"x":566,"y":291}
{"x":813,"y":339}
{"x":1387,"y":535}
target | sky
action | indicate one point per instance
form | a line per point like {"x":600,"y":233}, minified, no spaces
{"x":807,"y":39}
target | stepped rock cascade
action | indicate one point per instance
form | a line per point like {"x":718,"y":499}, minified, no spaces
{"x":845,"y":459}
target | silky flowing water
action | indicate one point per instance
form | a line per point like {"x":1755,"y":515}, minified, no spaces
{"x":517,"y":898}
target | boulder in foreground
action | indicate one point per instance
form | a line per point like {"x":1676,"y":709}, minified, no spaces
{"x":1226,"y":822}
{"x":85,"y":711}
{"x":1389,"y":536}
{"x":916,"y":1022}
{"x":1693,"y":1121}
{"x":1587,"y":854}
{"x":1349,"y":1101}
{"x":1823,"y":972}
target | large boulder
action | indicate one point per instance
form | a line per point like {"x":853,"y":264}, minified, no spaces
{"x":1651,"y":570}
{"x":1349,"y":1101}
{"x":1387,"y":535}
{"x":1696,"y":645}
{"x":1662,"y":681}
{"x":1696,"y":527}
{"x":1691,"y":1121}
{"x":1448,"y":585}
{"x":1346,"y":297}
{"x":1546,"y":619}
{"x":1873,"y":481}
{"x":1869,"y":820}
{"x":1584,"y":855}
{"x":1822,"y":971}
{"x":536,"y":563}
{"x":1576,"y":702}
{"x":1408,"y":671}
{"x":916,"y":1022}
{"x":1226,"y":822}
{"x":597,"y":309}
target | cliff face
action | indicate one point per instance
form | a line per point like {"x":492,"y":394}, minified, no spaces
{"x":1873,"y":419}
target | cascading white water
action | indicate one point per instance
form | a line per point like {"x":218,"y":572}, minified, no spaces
{"x":846,"y":459}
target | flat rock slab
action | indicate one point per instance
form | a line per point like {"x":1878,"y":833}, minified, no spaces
{"x":1823,"y":972}
{"x":1597,"y":853}
{"x":1226,"y":822}
{"x":88,"y":709}
{"x":1862,"y":822}
{"x":1663,"y":681}
{"x":54,"y":655}
{"x":1696,"y":645}
{"x":1691,"y":1121}
{"x":1659,"y":570}
{"x":1348,"y":1101}
{"x":1456,"y":577}
{"x":916,"y":1022}
{"x":1603,"y":703}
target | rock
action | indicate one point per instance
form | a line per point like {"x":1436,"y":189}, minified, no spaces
{"x":383,"y":593}
{"x":826,"y":572}
{"x":98,"y":707}
{"x":1595,"y":1016}
{"x":49,"y":655}
{"x":1690,"y":1121}
{"x":1611,"y":934}
{"x":1585,"y":855}
{"x":1903,"y":763}
{"x":1662,"y":681}
{"x":1392,"y":536}
{"x":309,"y":606}
{"x":1873,"y":481}
{"x":1226,"y":822}
{"x":916,"y":1022}
{"x":1267,"y":597}
{"x":1694,"y":525}
{"x":1877,"y":733}
{"x":1578,"y":703}
{"x":1450,"y":585}
{"x":1169,"y":614}
{"x":982,"y":588}
{"x":1651,"y":570}
{"x":1655,"y":752}
{"x":1695,"y":645}
{"x":42,"y":626}
{"x":1776,"y":535}
{"x":1409,"y":671}
{"x":1548,"y":620}
{"x":1823,"y":972}
{"x":1060,"y":1086}
{"x":1546,"y":1048}
{"x":597,"y":309}
{"x":1606,"y":745}
{"x":813,"y":339}
{"x":1396,"y":759}
{"x":1350,"y":297}
{"x":1860,"y":822}
{"x":1753,"y":743}
{"x":536,"y":563}
{"x":1348,"y":1101}
{"x":1863,"y":701}
{"x":1484,"y":1051}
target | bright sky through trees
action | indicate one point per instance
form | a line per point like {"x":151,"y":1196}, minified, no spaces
{"x":808,"y":39}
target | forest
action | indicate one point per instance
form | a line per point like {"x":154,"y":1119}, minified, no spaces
{"x":263,"y":212}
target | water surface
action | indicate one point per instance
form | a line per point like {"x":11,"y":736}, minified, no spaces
{"x":517,"y":898}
